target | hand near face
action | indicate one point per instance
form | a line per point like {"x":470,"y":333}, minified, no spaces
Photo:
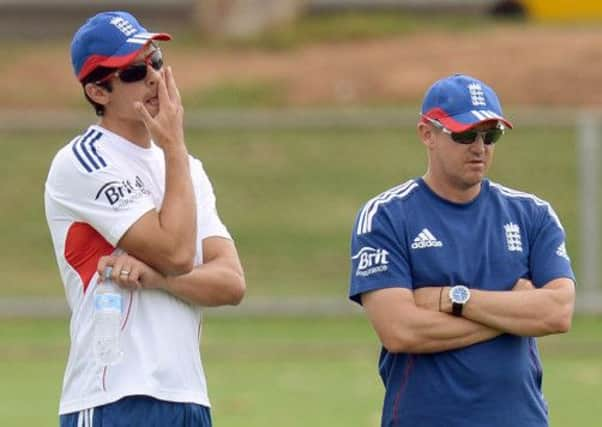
{"x":167,"y":126}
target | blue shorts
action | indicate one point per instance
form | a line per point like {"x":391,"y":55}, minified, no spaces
{"x":140,"y":411}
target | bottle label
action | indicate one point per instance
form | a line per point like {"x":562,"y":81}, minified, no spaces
{"x":107,"y":302}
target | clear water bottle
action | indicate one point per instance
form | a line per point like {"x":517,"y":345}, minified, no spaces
{"x":107,"y":321}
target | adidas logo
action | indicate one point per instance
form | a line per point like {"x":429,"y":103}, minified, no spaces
{"x":425,"y":239}
{"x":561,"y":252}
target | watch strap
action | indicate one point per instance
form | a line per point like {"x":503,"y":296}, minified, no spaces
{"x":457,"y":309}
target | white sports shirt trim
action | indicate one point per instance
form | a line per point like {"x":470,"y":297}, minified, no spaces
{"x":141,"y":38}
{"x":485,"y":114}
{"x":366,"y":217}
{"x":509,"y":192}
{"x":84,"y":150}
{"x":85,"y":418}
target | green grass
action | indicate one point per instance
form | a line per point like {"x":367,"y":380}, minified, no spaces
{"x":307,"y":29}
{"x":239,"y":94}
{"x":289,"y":197}
{"x":351,"y":25}
{"x":280,"y":372}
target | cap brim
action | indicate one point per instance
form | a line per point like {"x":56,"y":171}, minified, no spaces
{"x":124,"y":55}
{"x":465,"y":121}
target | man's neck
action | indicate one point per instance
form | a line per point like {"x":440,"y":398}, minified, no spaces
{"x":134,"y":131}
{"x":453,"y":193}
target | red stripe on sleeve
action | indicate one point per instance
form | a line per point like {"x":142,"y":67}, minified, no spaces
{"x":83,"y":248}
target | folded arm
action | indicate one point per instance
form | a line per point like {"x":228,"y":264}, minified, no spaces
{"x":218,"y":281}
{"x":536,"y":312}
{"x":402,"y":326}
{"x":524,"y":310}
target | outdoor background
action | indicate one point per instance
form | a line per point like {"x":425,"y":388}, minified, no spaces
{"x":300,"y":111}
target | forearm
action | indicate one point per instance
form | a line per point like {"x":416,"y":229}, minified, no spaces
{"x":534,"y":312}
{"x":216,"y":283}
{"x":177,"y":216}
{"x":403,"y":326}
{"x":430,"y":332}
{"x":167,"y":240}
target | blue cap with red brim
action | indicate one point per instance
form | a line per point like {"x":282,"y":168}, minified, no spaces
{"x":109,"y":39}
{"x":460,"y":102}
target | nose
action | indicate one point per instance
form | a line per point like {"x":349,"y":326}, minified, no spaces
{"x":479,"y":143}
{"x":152,"y":75}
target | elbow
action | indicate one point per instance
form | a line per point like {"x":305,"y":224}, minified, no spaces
{"x":565,"y":317}
{"x":565,"y":326}
{"x":238,"y":290}
{"x":561,"y":318}
{"x":561,"y":323}
{"x":180,"y":258}
{"x":399,"y":343}
{"x":179,"y":263}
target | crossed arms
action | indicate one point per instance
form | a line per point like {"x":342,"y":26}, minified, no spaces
{"x":161,"y":245}
{"x":410,"y":322}
{"x":218,"y":281}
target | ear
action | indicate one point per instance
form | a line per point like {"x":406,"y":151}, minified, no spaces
{"x":97,"y":93}
{"x":426,"y":135}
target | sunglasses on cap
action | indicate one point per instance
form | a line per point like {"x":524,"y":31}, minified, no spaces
{"x":489,"y":136}
{"x":136,"y":72}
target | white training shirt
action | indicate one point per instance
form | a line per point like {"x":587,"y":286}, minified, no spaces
{"x":98,"y":186}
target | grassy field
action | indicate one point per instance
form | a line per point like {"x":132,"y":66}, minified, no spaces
{"x":337,"y":27}
{"x":286,"y":372}
{"x":289,"y":197}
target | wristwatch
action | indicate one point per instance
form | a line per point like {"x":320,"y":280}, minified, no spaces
{"x":458,"y":295}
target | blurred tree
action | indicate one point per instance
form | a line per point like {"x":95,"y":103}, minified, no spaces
{"x":509,"y":8}
{"x":244,"y":18}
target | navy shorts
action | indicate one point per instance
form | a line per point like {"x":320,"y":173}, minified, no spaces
{"x":140,"y":411}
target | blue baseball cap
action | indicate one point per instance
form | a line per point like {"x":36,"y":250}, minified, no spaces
{"x":109,"y":39}
{"x":460,"y":102}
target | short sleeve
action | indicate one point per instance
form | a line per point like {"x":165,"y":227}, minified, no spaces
{"x":105,"y":199}
{"x":549,"y":259}
{"x":209,"y":223}
{"x":378,"y":258}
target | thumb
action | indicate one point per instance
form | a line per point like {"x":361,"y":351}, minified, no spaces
{"x":105,"y":265}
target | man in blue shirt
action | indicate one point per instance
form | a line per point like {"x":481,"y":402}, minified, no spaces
{"x":458,"y":274}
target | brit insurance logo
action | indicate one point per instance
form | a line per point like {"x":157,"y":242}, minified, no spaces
{"x":371,"y":261}
{"x":121,"y":194}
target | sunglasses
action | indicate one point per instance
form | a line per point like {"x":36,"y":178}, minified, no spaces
{"x":136,"y":72}
{"x":489,"y":136}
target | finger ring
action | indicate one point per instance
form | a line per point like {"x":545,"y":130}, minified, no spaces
{"x":124,"y":273}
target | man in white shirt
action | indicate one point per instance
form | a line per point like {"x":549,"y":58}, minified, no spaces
{"x":126,"y":194}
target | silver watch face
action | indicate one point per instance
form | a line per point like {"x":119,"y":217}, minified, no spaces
{"x":459,"y":294}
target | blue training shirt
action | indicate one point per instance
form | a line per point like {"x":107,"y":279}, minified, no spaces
{"x":409,"y":237}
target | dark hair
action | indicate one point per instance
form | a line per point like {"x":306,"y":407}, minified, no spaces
{"x":96,"y":75}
